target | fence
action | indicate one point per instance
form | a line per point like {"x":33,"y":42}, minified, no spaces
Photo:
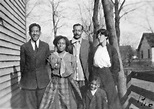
{"x":140,"y":93}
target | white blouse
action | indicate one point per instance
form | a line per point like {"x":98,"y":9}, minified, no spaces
{"x":101,"y":57}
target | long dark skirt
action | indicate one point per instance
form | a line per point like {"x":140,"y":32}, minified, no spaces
{"x":61,"y":93}
{"x":107,"y":83}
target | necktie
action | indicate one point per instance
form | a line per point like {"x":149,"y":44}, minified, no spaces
{"x":36,"y":47}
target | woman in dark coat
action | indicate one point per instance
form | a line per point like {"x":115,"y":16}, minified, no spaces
{"x":106,"y":66}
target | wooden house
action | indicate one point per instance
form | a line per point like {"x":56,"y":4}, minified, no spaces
{"x":12,"y":35}
{"x":146,"y":48}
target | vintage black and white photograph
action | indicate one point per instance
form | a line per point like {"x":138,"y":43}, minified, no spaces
{"x":76,"y":54}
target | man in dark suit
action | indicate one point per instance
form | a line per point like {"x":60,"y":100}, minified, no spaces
{"x":33,"y":66}
{"x":80,"y":48}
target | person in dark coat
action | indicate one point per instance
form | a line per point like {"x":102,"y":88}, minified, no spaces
{"x":106,"y":66}
{"x":95,"y":97}
{"x":80,"y":48}
{"x":33,"y":66}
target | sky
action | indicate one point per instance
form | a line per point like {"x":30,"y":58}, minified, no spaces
{"x":132,"y":25}
{"x":135,"y":23}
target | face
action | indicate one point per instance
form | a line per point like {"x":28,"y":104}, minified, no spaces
{"x":61,"y":45}
{"x":102,"y":39}
{"x":77,"y":31}
{"x":35,"y":33}
{"x":94,"y":85}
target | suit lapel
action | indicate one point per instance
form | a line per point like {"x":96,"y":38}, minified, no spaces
{"x":89,"y":94}
{"x":109,"y":50}
{"x":40,"y":45}
{"x":30,"y":48}
{"x":82,"y":47}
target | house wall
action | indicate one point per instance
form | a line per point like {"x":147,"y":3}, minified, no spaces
{"x":12,"y":35}
{"x":144,"y":47}
{"x":152,"y":56}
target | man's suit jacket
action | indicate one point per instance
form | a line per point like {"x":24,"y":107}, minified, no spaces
{"x":96,"y":101}
{"x":84,"y":56}
{"x":33,"y":66}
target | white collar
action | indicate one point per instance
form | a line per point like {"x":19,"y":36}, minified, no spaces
{"x":75,"y":40}
{"x":93,"y":91}
{"x":37,"y":42}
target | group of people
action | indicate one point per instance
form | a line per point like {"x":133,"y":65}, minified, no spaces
{"x":81,"y":76}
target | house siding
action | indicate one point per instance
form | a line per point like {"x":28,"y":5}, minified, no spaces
{"x":145,"y":47}
{"x":12,"y":36}
{"x":152,"y":56}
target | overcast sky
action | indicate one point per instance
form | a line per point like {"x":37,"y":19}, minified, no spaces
{"x":133,"y":25}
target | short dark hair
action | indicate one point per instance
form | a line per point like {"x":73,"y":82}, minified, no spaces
{"x":95,"y":78}
{"x":78,"y":24}
{"x":55,"y":41}
{"x":102,"y":31}
{"x":32,"y":25}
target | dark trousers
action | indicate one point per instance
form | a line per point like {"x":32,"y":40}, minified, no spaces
{"x":107,"y":83}
{"x":31,"y":99}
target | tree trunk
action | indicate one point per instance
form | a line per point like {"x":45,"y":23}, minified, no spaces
{"x":95,"y":21}
{"x":108,"y":13}
{"x":117,"y":20}
{"x":54,"y":18}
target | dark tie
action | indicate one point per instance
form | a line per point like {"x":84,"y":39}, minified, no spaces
{"x":36,"y":47}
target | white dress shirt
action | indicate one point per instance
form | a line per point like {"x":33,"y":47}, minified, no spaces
{"x":33,"y":44}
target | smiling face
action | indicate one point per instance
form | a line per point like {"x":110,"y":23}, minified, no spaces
{"x":94,"y":85}
{"x":61,"y":45}
{"x":35,"y":33}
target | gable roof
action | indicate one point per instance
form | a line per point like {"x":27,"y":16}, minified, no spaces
{"x":149,"y":37}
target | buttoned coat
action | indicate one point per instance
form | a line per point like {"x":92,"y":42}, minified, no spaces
{"x":96,"y":101}
{"x":33,"y":66}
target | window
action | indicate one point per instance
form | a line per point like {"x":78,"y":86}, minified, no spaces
{"x":148,"y":53}
{"x":142,"y":54}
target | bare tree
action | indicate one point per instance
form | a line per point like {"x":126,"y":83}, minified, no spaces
{"x":35,"y":4}
{"x":95,"y":16}
{"x":110,"y":25}
{"x":89,"y":13}
{"x":148,"y":16}
{"x":119,"y":6}
{"x":86,"y":21}
{"x":95,"y":19}
{"x":56,"y":15}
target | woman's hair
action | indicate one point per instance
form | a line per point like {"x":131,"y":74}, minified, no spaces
{"x":55,"y":41}
{"x":103,"y":32}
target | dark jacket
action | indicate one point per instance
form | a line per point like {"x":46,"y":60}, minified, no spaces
{"x":96,"y":101}
{"x":33,"y":66}
{"x":84,"y":56}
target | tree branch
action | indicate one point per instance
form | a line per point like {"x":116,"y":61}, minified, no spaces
{"x":127,"y":12}
{"x":121,"y":6}
{"x":31,"y":9}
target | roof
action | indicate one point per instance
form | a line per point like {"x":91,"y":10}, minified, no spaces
{"x":149,"y":37}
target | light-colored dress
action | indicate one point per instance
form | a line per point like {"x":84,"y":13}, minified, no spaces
{"x":62,"y":92}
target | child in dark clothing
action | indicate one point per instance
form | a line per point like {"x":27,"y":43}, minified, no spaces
{"x":95,"y":97}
